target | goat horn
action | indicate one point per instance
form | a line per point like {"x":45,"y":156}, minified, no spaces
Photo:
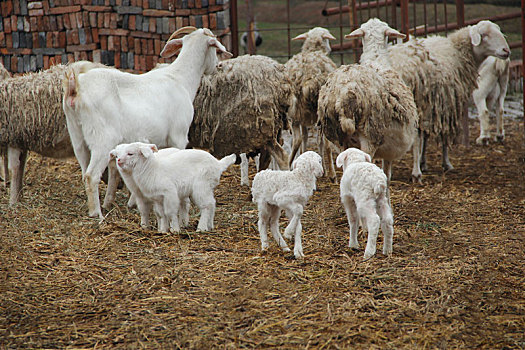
{"x":181,"y":31}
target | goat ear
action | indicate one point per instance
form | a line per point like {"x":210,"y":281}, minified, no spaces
{"x":113,"y":154}
{"x":154,"y":148}
{"x":358,"y":33}
{"x":328,"y":36}
{"x":171,"y":48}
{"x":214,"y":42}
{"x":368,"y":158}
{"x":475,"y":36}
{"x":392,"y":33}
{"x":341,"y":159}
{"x":300,"y":37}
{"x":146,"y":151}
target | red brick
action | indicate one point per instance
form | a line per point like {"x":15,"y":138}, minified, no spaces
{"x":103,"y":42}
{"x":172,"y":25}
{"x":144,"y":46}
{"x":178,"y":21}
{"x":2,"y":39}
{"x":34,"y":5}
{"x":9,"y":41}
{"x":205,"y":22}
{"x":42,"y":24}
{"x":158,"y":45}
{"x":7,"y":25}
{"x":34,"y":26}
{"x":213,"y":20}
{"x":117,"y":60}
{"x":182,"y":12}
{"x":131,"y":43}
{"x":7,"y":8}
{"x":113,"y":22}
{"x":67,"y":21}
{"x":100,"y":20}
{"x":143,"y":63}
{"x":64,"y":9}
{"x":14,"y":23}
{"x":73,"y":20}
{"x":49,"y":39}
{"x":151,"y":47}
{"x":107,"y":19}
{"x":192,"y":21}
{"x":137,"y":46}
{"x":107,"y":31}
{"x":14,"y":63}
{"x":185,"y":22}
{"x":116,"y":43}
{"x":97,"y":8}
{"x":92,"y":19}
{"x":132,"y":22}
{"x":111,"y":47}
{"x":94,"y":33}
{"x":191,"y":4}
{"x":87,"y":47}
{"x":46,"y":62}
{"x":60,"y":23}
{"x":152,"y":25}
{"x":149,"y":62}
{"x":80,"y":23}
{"x":97,"y":56}
{"x":123,"y":44}
{"x":62,"y":39}
{"x":34,"y":37}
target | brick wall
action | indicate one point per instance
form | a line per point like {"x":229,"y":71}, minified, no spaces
{"x":128,"y":34}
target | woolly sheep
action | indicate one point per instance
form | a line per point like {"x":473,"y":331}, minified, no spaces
{"x":369,"y":102}
{"x":242,"y":109}
{"x":105,"y":108}
{"x":445,"y":76}
{"x":275,"y":190}
{"x":32,"y":119}
{"x":308,"y":71}
{"x":364,"y":194}
{"x":4,"y":74}
{"x":492,"y":87}
{"x":167,"y":179}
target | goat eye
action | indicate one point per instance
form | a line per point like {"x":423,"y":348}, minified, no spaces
{"x":130,"y":154}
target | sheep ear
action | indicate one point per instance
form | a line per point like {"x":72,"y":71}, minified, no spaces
{"x":368,"y":158}
{"x":475,"y":36}
{"x":171,"y":48}
{"x":341,"y":159}
{"x":301,"y":37}
{"x":154,"y":148}
{"x":214,"y":42}
{"x":358,"y":33}
{"x":147,"y":151}
{"x":113,"y":154}
{"x":328,"y":36}
{"x":392,"y":33}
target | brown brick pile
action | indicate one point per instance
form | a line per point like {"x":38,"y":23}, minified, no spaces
{"x":127,"y":34}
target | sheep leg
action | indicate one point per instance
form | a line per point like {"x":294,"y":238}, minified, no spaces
{"x":500,"y":132}
{"x":296,"y":143}
{"x":423,"y":145}
{"x":294,"y":227}
{"x":162,"y":220}
{"x":98,"y":162}
{"x":387,"y":168}
{"x":447,"y":166}
{"x":280,"y":155}
{"x":5,"y":173}
{"x":264,"y":159}
{"x":113,"y":181}
{"x":264,"y":216}
{"x":275,"y":213}
{"x":353,"y":220}
{"x":484,"y":122}
{"x":245,"y":180}
{"x":171,"y":206}
{"x":328,"y":161}
{"x":144,"y":208}
{"x":368,"y":211}
{"x":16,"y":160}
{"x":387,"y":224}
{"x":304,"y":138}
{"x":417,"y":176}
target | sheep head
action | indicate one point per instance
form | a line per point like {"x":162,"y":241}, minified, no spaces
{"x":488,"y":40}
{"x":310,"y":162}
{"x":316,"y":39}
{"x":352,"y":155}
{"x":127,"y":155}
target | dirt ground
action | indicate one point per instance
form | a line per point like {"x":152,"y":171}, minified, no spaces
{"x":456,"y":278}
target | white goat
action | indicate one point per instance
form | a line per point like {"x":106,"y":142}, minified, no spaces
{"x":106,"y":107}
{"x":136,"y":196}
{"x":364,"y":194}
{"x":167,"y":179}
{"x":274,"y":190}
{"x":492,"y":86}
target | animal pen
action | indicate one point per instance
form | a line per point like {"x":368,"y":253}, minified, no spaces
{"x":417,"y":18}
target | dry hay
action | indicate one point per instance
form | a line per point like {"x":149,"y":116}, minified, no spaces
{"x":455,"y":280}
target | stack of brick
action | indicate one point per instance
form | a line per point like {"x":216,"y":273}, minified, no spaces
{"x":127,"y":34}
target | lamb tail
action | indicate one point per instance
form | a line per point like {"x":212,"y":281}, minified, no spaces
{"x":227,"y":161}
{"x":70,"y":85}
{"x":379,"y":188}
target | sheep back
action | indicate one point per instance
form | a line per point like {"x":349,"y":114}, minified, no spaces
{"x":31,"y":115}
{"x":242,"y":107}
{"x":365,"y":99}
{"x":308,"y":71}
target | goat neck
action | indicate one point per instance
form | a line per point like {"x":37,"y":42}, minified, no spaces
{"x":190,"y":64}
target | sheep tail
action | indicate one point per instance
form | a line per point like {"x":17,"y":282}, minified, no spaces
{"x":379,"y":188}
{"x":70,"y":85}
{"x":227,"y":161}
{"x":348,"y":126}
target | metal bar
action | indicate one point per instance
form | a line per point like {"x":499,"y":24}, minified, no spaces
{"x":404,"y":18}
{"x":425,"y":16}
{"x":371,"y":4}
{"x":460,"y":13}
{"x":234,"y":27}
{"x":460,"y":18}
{"x":523,"y":56}
{"x":394,"y":14}
{"x":288,"y":29}
{"x":341,"y":27}
{"x":446,"y":16}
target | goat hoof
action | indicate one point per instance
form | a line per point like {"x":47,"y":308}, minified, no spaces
{"x":483,"y":141}
{"x":417,"y":179}
{"x":500,"y":138}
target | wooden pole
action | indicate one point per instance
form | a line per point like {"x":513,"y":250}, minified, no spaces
{"x":404,"y":18}
{"x":234,"y":28}
{"x":250,"y":42}
{"x":523,"y":57}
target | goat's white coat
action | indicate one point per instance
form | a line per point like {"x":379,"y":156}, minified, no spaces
{"x":110,"y":107}
{"x":167,"y":179}
{"x":275,"y":190}
{"x":364,"y":194}
{"x":492,"y":88}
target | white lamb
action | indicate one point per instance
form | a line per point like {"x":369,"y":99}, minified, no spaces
{"x":492,"y":87}
{"x":364,"y":194}
{"x":136,"y":197}
{"x":107,"y":107}
{"x":167,"y":179}
{"x":275,"y":190}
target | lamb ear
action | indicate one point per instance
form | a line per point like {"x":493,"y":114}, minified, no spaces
{"x":328,"y":36}
{"x":341,"y":159}
{"x":154,"y":148}
{"x":392,"y":33}
{"x":301,"y":37}
{"x":358,"y":33}
{"x":147,"y":151}
{"x":171,"y":48}
{"x":113,"y":154}
{"x":214,"y":42}
{"x":475,"y":36}
{"x":368,"y":158}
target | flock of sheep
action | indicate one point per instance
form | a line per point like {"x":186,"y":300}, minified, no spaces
{"x":139,"y":126}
